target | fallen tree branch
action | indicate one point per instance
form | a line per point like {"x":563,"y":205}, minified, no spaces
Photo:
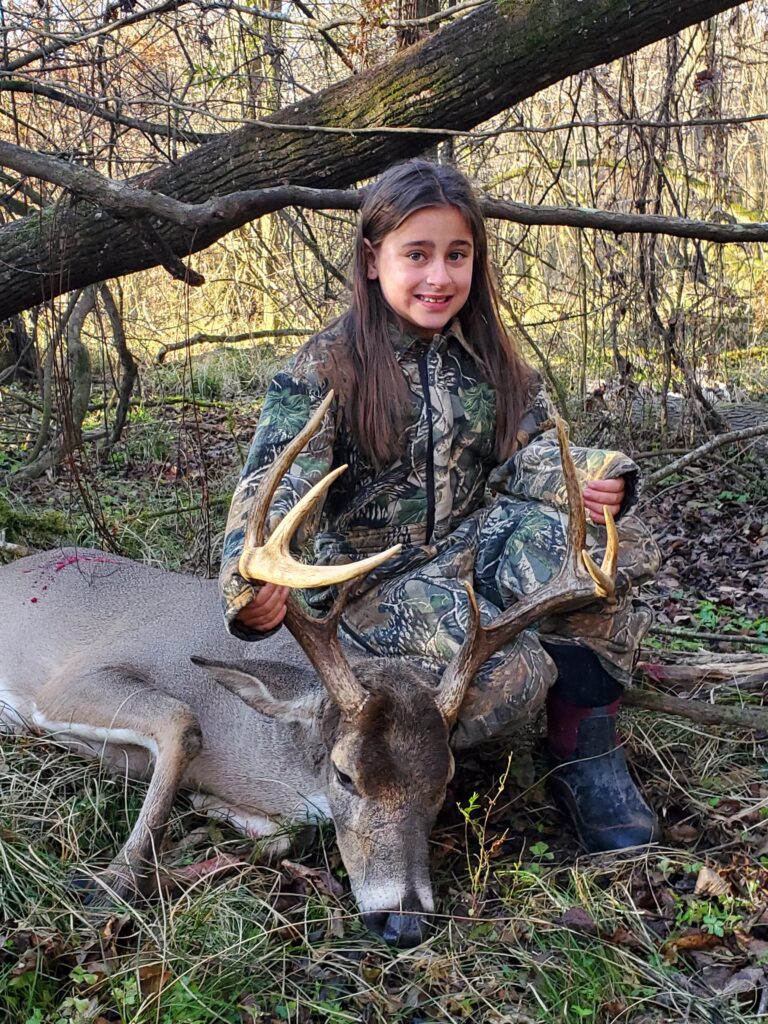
{"x":129,"y":201}
{"x":749,"y":718}
{"x":704,"y":449}
{"x":750,"y":673}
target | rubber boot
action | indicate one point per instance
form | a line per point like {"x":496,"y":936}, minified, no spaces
{"x":590,"y":779}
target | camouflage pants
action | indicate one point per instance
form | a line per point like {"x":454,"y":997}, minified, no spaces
{"x":507,"y":551}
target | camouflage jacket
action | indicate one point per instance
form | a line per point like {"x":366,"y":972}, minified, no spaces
{"x":446,"y":472}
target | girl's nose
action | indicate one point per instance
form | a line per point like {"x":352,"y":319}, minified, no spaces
{"x":438,"y":273}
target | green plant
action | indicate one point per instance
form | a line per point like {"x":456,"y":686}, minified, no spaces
{"x":718,"y":917}
{"x":541,"y":854}
{"x":476,"y":815}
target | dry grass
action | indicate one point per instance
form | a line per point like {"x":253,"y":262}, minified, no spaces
{"x":541,"y":935}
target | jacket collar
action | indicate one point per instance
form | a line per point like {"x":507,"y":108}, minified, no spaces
{"x":405,"y":341}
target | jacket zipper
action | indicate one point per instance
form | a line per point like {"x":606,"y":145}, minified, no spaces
{"x":424,"y":377}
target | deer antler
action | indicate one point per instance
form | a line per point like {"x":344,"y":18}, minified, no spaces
{"x":579,"y":582}
{"x":271,"y":561}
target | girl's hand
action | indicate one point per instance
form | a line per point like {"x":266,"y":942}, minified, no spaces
{"x":266,"y":610}
{"x":603,"y":492}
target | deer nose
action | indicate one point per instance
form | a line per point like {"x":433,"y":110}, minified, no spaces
{"x":399,"y":928}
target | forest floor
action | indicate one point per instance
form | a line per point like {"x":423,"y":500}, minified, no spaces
{"x":528,"y":929}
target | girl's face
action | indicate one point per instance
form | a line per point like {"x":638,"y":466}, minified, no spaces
{"x":424,"y":268}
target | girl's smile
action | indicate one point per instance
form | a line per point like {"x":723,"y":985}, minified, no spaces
{"x":424,"y":268}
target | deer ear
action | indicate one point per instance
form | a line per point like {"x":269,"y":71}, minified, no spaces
{"x":256,"y":694}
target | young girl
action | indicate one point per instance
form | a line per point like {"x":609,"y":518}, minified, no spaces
{"x":445,"y":430}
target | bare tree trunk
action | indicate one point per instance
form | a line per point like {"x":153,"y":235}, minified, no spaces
{"x":457,"y":78}
{"x":129,"y":371}
{"x":75,"y":384}
{"x":18,"y":355}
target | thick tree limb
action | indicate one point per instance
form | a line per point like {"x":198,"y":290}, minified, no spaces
{"x":625,"y":223}
{"x":460,"y":76}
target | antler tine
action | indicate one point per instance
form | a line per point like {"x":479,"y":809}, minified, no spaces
{"x":271,"y":561}
{"x":265,"y":492}
{"x":603,"y":575}
{"x":570,"y":589}
{"x":576,"y":536}
{"x":464,"y":664}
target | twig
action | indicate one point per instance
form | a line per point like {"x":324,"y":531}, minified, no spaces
{"x":17,"y":396}
{"x":338,"y":50}
{"x":658,"y":454}
{"x":228,"y":339}
{"x":693,"y":634}
{"x":203,"y":403}
{"x":214,"y":502}
{"x":87,"y":104}
{"x":60,"y":43}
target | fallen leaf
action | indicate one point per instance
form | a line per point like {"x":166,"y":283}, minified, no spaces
{"x":622,"y":936}
{"x":682,"y":833}
{"x":747,"y":980}
{"x":335,"y":928}
{"x":181,"y":877}
{"x":153,"y":978}
{"x":693,"y":940}
{"x":320,"y":878}
{"x":751,"y":945}
{"x":579,"y":919}
{"x":710,"y":883}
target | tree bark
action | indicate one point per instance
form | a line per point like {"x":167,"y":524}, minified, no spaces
{"x":463,"y":75}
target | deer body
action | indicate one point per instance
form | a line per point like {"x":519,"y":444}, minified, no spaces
{"x":96,"y":651}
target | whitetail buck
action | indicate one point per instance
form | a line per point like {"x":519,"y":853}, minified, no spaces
{"x":133,"y":665}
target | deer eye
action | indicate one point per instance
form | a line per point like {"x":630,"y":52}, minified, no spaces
{"x":343,"y":779}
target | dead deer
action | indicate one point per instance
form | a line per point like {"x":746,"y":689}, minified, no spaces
{"x":132,"y":664}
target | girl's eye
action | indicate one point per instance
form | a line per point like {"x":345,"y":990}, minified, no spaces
{"x":456,"y":257}
{"x":415,"y":257}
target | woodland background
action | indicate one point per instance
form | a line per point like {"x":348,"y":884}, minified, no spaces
{"x":127,"y":402}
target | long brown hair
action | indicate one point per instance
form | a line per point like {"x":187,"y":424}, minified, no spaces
{"x":377,"y":393}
